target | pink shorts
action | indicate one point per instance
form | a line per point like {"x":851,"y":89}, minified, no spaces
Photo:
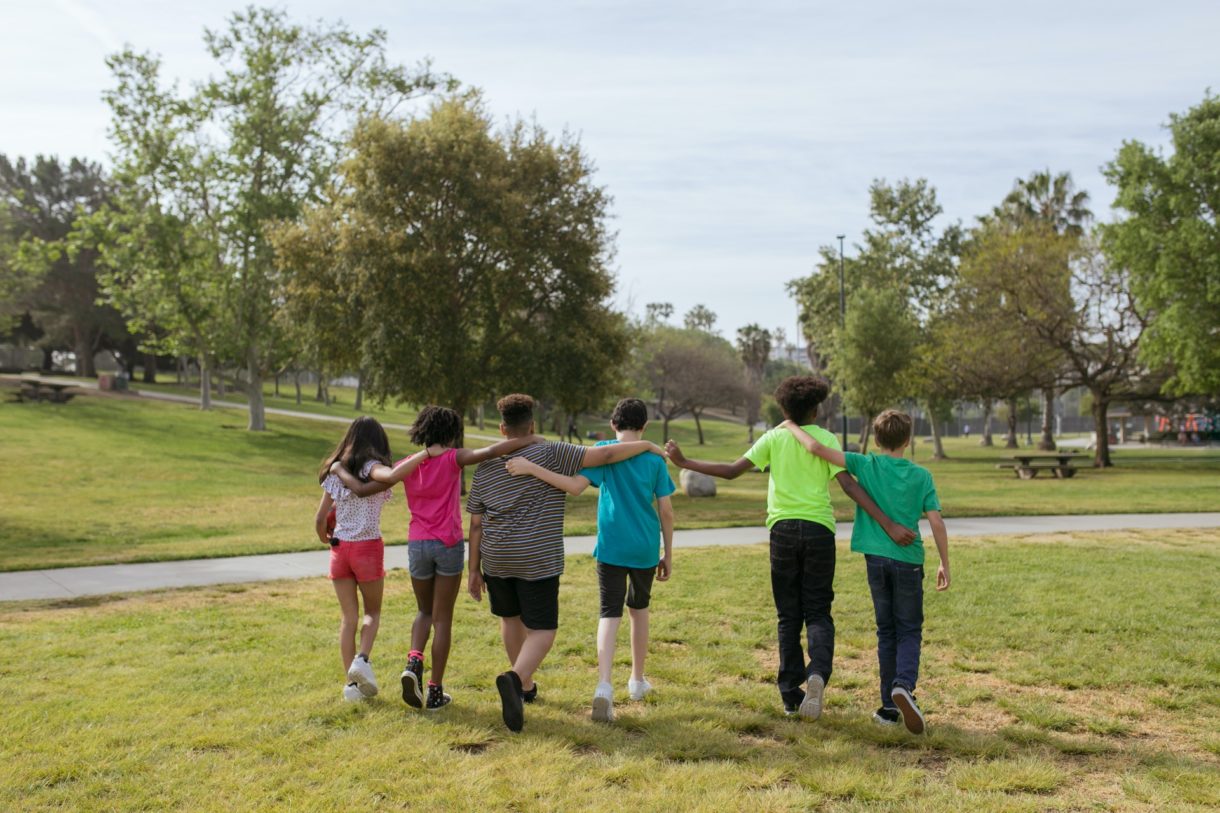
{"x":363,"y":561}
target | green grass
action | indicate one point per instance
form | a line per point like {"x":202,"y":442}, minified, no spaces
{"x":114,"y":479}
{"x":227,"y":698}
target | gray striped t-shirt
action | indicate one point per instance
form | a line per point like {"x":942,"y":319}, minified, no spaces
{"x":523,"y":516}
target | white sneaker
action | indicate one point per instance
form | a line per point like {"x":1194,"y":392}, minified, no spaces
{"x":603,"y":703}
{"x":361,"y":673}
{"x":636,"y":689}
{"x":811,"y":706}
{"x":352,"y":694}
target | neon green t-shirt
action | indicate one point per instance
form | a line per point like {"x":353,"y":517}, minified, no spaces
{"x":904,"y":491}
{"x":799,"y":483}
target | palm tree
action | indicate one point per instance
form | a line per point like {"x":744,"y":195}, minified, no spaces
{"x":1054,"y":201}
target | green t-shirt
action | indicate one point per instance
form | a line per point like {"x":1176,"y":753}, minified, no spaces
{"x":904,"y":491}
{"x":799,"y":483}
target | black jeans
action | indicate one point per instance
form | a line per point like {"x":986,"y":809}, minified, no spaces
{"x":802,"y":582}
{"x":897,"y":589}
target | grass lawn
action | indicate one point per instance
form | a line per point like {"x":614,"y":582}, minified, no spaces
{"x":1060,"y":673}
{"x":117,"y":479}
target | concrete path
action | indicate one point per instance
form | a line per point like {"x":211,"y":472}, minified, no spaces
{"x":90,"y":581}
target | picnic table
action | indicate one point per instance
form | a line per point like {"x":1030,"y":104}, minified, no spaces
{"x":36,"y":389}
{"x":1027,"y":466}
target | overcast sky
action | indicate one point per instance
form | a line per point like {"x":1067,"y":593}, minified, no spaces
{"x":735,"y":138}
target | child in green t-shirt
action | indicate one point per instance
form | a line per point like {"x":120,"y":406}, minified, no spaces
{"x":802,"y":529}
{"x":904,"y":491}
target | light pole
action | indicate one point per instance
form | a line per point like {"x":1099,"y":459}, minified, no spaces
{"x":843,"y":324}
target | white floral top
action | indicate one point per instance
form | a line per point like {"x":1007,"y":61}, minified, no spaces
{"x":356,"y":518}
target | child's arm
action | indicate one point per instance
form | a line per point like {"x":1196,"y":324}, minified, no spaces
{"x":574,"y":485}
{"x":834,"y":457}
{"x":469,"y":457}
{"x":941,"y":535}
{"x":899,"y":533}
{"x":727,"y":471}
{"x":474,"y":581}
{"x":378,"y":478}
{"x":617,"y":452}
{"x":665,"y":508}
{"x":319,"y":519}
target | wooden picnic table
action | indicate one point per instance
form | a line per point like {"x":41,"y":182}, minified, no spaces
{"x":1027,"y":466}
{"x":36,"y":389}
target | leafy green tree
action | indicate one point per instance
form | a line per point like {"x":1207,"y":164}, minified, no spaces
{"x":1054,"y":201}
{"x":470,"y":262}
{"x":700,"y":317}
{"x":690,"y":371}
{"x":1169,"y":238}
{"x":754,"y":346}
{"x":41,"y":276}
{"x":267,"y":131}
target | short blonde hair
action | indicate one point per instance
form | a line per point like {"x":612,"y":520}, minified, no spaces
{"x":893,"y":429}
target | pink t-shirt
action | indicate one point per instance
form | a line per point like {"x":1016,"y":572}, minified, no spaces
{"x":434,"y":496}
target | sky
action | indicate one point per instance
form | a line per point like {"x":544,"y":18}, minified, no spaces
{"x":735,"y":138}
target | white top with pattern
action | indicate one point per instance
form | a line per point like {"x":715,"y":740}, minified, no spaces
{"x":356,"y":518}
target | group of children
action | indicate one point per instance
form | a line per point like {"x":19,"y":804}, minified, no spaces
{"x":516,"y":553}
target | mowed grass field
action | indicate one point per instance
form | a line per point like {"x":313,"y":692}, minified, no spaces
{"x":1065,"y":672}
{"x":123,"y":479}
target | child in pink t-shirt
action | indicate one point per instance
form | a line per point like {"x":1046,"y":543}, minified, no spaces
{"x":435,"y":545}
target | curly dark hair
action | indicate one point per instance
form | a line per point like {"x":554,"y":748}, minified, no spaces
{"x":799,"y":396}
{"x":436,"y":425}
{"x":516,"y":410}
{"x":629,"y":414}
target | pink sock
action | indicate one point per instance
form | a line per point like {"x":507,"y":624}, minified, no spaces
{"x":415,"y":653}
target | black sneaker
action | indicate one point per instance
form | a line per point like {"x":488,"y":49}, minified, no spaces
{"x":884,"y":716}
{"x":791,"y":709}
{"x":912,"y":717}
{"x":437,"y":699}
{"x":531,"y":695}
{"x":508,"y":684}
{"x":412,"y":683}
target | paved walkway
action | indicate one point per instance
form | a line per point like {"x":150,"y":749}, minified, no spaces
{"x":90,"y":581}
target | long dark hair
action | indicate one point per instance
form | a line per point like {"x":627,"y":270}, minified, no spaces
{"x":365,"y":440}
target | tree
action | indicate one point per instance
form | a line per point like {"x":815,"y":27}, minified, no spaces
{"x":754,"y":346}
{"x":1054,"y":201}
{"x":40,"y":274}
{"x":472,"y":261}
{"x":873,"y":351}
{"x":690,"y":371}
{"x":268,"y":129}
{"x":700,"y":317}
{"x":1169,"y":238}
{"x":658,"y":313}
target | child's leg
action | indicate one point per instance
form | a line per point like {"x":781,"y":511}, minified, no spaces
{"x":908,"y":622}
{"x":349,"y":607}
{"x":371,"y":592}
{"x":535,"y":648}
{"x":421,"y":627}
{"x":612,"y":591}
{"x":786,"y":566}
{"x":444,"y":595}
{"x":639,"y":641}
{"x":881,"y":585}
{"x":512,"y":631}
{"x":817,"y":596}
{"x":607,"y":639}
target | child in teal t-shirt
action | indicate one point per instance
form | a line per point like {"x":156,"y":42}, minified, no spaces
{"x":904,"y":491}
{"x":628,"y":552}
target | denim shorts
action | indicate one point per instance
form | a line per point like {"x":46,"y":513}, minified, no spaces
{"x":431,"y":557}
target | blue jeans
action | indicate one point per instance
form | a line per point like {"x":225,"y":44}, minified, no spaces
{"x":897,"y":589}
{"x":802,"y":583}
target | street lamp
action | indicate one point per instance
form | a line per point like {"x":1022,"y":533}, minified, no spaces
{"x":843,"y":323}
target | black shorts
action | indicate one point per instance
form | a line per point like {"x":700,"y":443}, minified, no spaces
{"x":536,"y":602}
{"x":615,"y":583}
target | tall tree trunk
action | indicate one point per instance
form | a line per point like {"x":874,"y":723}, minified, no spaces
{"x":179,"y":370}
{"x":1101,"y":422}
{"x":220,"y":381}
{"x":938,"y":446}
{"x":985,"y":439}
{"x":48,"y":359}
{"x":258,"y":415}
{"x":482,"y":420}
{"x":461,"y":409}
{"x":698,"y":425}
{"x":318,"y":397}
{"x":664,"y":428}
{"x":150,"y":368}
{"x":1010,"y":439}
{"x":1047,"y":442}
{"x":296,"y":379}
{"x":866,"y":432}
{"x":277,"y":383}
{"x":205,"y":382}
{"x":359,"y":390}
{"x":83,"y":348}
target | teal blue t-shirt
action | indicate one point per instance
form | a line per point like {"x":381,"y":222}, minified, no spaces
{"x":628,"y":528}
{"x":904,"y":491}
